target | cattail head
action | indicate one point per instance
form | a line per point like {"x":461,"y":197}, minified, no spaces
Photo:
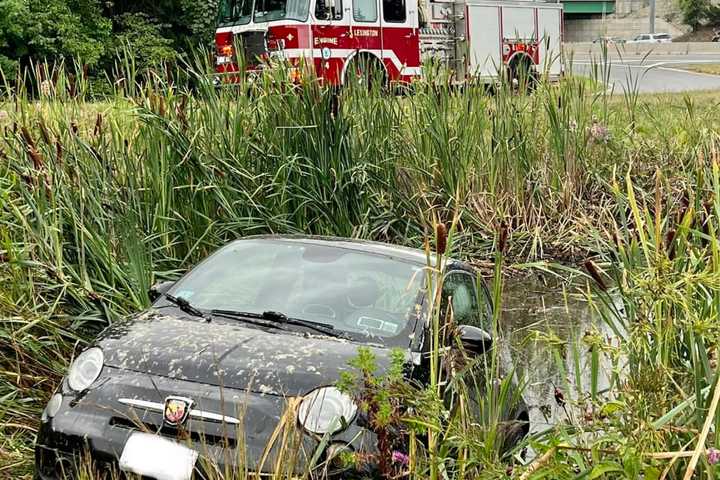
{"x":98,"y":125}
{"x":45,"y":133}
{"x":180,"y":112}
{"x":58,"y":152}
{"x":334,"y":103}
{"x":595,"y":273}
{"x":441,"y":236}
{"x":27,"y":137}
{"x":503,"y":237}
{"x":72,"y":85}
{"x":32,"y":150}
{"x":670,"y":243}
{"x":161,"y":106}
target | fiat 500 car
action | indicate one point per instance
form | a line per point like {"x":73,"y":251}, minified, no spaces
{"x":205,"y":375}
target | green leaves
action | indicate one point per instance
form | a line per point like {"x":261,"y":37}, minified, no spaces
{"x":92,"y":31}
{"x":142,"y":35}
{"x":695,"y":11}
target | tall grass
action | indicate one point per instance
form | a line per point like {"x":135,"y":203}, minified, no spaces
{"x":102,"y":195}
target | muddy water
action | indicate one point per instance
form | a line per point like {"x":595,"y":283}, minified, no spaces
{"x":541,"y":321}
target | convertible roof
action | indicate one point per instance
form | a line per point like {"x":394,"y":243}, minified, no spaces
{"x":402,"y":253}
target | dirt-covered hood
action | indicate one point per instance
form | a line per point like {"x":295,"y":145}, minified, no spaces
{"x":228,"y":353}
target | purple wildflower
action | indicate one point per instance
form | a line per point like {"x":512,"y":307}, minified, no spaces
{"x":713,"y":456}
{"x":599,"y":133}
{"x":401,"y":458}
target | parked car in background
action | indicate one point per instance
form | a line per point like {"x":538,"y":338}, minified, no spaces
{"x":652,"y":38}
{"x":207,"y":369}
{"x":610,"y":40}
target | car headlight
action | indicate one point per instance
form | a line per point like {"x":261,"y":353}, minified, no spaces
{"x":85,"y":369}
{"x":52,"y":408}
{"x":326,"y":410}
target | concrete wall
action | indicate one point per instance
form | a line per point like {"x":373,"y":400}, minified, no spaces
{"x":630,"y":19}
{"x":584,"y":30}
{"x":662,"y":7}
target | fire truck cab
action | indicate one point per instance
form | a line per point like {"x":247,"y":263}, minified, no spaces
{"x":474,"y":39}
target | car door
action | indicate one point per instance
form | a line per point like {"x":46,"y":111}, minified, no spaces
{"x":466,"y":294}
{"x":331,"y":38}
{"x":365,"y":27}
{"x":460,"y":297}
{"x":492,"y":395}
{"x":400,"y":48}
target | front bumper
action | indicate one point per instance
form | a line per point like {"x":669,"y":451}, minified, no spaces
{"x":96,"y":425}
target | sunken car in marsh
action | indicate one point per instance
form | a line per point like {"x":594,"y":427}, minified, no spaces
{"x":204,"y":376}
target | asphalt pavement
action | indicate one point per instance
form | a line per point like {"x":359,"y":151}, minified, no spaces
{"x":651,"y":74}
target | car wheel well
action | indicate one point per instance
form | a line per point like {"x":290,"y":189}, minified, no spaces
{"x":521,"y":72}
{"x":364,"y":60}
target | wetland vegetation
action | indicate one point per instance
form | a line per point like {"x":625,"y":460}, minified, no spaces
{"x":615,"y":197}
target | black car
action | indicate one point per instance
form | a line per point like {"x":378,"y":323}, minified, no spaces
{"x":221,"y":351}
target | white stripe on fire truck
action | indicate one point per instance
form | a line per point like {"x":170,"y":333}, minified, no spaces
{"x":346,"y":53}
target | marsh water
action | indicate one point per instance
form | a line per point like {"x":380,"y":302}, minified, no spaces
{"x":543,"y":324}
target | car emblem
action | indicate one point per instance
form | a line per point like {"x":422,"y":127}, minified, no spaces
{"x":176,"y":410}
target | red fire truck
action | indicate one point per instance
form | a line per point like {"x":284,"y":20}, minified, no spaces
{"x":475,"y":39}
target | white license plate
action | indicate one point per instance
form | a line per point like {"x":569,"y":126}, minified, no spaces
{"x":157,"y":457}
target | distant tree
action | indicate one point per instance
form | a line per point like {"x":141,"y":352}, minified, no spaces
{"x":694,"y":11}
{"x":187,"y":22}
{"x":13,"y":21}
{"x":52,"y":30}
{"x":68,"y":29}
{"x":91,"y":31}
{"x":142,"y":36}
{"x":713,"y":15}
{"x":200,"y":20}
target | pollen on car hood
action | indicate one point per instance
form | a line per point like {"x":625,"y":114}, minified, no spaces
{"x":228,"y":353}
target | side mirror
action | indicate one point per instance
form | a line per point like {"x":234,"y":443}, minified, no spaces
{"x":475,"y":340}
{"x":159,"y":289}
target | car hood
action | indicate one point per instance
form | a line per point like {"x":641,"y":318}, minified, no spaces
{"x":228,"y":353}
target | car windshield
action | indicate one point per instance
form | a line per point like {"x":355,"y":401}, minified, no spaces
{"x":369,"y":296}
{"x":235,"y":12}
{"x":269,"y":10}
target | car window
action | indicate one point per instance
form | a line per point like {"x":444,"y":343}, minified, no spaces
{"x":328,"y":10}
{"x":365,"y":10}
{"x":460,"y":291}
{"x":394,"y":11}
{"x":354,"y":291}
{"x":662,"y":36}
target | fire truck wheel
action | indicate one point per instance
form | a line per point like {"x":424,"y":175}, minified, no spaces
{"x":521,"y":75}
{"x":366,"y":71}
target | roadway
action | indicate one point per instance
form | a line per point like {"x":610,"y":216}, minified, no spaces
{"x":656,"y":73}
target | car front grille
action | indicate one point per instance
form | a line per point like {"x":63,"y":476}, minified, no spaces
{"x":178,"y":433}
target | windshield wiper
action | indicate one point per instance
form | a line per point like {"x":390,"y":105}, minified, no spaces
{"x":184,"y":305}
{"x":247,"y":317}
{"x":276,"y":318}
